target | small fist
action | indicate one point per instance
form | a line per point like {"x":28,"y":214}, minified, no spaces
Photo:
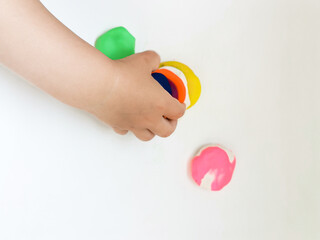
{"x":136,"y":102}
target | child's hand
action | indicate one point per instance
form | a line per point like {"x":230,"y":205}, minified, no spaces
{"x":121,"y":93}
{"x":136,"y":102}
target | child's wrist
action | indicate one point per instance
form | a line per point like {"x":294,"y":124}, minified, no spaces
{"x":97,"y":86}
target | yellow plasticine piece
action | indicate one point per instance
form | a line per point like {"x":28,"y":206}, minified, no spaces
{"x":194,"y":85}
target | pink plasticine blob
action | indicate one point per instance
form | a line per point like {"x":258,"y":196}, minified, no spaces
{"x":213,"y":167}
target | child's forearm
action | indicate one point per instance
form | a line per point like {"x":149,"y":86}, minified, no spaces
{"x":121,"y":93}
{"x":37,"y":46}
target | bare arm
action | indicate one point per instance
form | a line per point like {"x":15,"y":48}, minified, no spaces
{"x":37,"y":46}
{"x":40,"y":48}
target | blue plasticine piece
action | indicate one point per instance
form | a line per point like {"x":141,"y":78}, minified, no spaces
{"x":163,"y":81}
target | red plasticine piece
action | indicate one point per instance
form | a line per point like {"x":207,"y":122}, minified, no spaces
{"x":176,"y":81}
{"x":174,"y":91}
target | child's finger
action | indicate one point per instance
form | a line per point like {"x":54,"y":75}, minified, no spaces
{"x":164,"y":128}
{"x":120,"y":131}
{"x":144,"y":135}
{"x":174,"y":109}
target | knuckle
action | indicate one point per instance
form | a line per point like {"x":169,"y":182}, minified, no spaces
{"x":146,"y":138}
{"x":166,"y":133}
{"x":160,"y":107}
{"x":181,"y":113}
{"x":120,"y":132}
{"x":152,"y":55}
{"x":148,"y":120}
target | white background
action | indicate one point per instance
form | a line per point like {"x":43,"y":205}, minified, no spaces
{"x":64,"y":175}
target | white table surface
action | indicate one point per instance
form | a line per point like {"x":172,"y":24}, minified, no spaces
{"x":64,"y":175}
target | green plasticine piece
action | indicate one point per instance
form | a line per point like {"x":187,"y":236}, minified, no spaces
{"x":116,"y":43}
